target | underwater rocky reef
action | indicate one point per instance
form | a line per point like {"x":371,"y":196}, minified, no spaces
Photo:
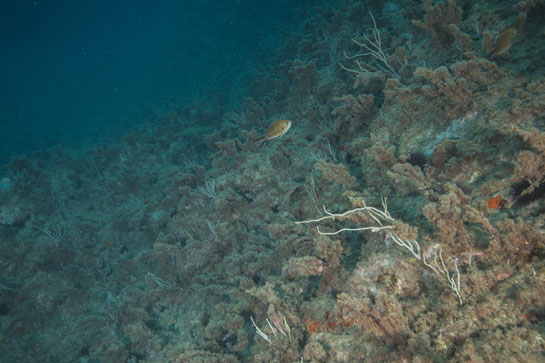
{"x":399,"y":219}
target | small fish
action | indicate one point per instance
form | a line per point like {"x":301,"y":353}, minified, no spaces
{"x":503,"y":42}
{"x":276,"y":129}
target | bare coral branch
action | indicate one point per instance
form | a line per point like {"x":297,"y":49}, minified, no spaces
{"x":385,"y":222}
{"x":373,"y":47}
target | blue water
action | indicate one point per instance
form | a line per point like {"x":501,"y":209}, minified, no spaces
{"x":73,"y":72}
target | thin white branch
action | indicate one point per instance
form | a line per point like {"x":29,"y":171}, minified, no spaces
{"x":385,"y":222}
{"x":374,"y":49}
{"x":260,"y":332}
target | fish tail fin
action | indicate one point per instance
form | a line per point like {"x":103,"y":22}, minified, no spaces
{"x":262,"y":140}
